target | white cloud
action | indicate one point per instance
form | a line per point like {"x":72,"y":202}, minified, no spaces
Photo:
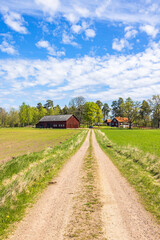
{"x":90,"y":33}
{"x":7,"y":48}
{"x":49,"y":6}
{"x":130,"y":32}
{"x":15,"y":21}
{"x":105,"y":78}
{"x":68,"y":39}
{"x":141,"y":12}
{"x":76,"y":28}
{"x":50,"y":48}
{"x":150,"y":30}
{"x":120,"y":44}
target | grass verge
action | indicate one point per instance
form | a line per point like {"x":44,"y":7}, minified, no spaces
{"x":23,"y":178}
{"x":142,"y":171}
{"x":86,"y":221}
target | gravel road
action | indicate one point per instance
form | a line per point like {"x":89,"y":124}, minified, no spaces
{"x":123,"y":217}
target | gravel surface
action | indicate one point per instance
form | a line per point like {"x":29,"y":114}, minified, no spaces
{"x":123,"y":215}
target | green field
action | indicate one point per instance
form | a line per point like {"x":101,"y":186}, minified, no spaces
{"x":18,"y":141}
{"x":146,"y":140}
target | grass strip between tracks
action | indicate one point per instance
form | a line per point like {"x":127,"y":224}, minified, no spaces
{"x":23,"y":178}
{"x":142,"y":171}
{"x":86,"y":220}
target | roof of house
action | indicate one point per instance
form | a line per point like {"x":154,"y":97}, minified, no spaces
{"x":109,"y":120}
{"x":56,"y":118}
{"x":121,"y":119}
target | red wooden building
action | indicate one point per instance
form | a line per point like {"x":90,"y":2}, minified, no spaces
{"x":58,"y":121}
{"x":108,"y":122}
{"x":119,"y":121}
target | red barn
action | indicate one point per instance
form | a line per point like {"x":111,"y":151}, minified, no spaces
{"x":58,"y":121}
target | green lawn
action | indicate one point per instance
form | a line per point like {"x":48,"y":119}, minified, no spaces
{"x":146,"y":140}
{"x":18,"y":141}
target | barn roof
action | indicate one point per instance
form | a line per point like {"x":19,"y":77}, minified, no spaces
{"x":56,"y":118}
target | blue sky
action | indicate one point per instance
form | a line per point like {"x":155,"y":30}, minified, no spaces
{"x":60,"y":49}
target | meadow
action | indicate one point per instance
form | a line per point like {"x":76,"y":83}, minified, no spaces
{"x":146,"y":140}
{"x":18,"y":141}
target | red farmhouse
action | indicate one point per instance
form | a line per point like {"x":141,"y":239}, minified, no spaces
{"x":58,"y":121}
{"x":119,"y":121}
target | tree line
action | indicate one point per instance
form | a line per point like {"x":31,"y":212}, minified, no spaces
{"x":145,"y":113}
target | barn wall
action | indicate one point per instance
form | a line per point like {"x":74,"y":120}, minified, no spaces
{"x":72,"y":122}
{"x":55,"y":124}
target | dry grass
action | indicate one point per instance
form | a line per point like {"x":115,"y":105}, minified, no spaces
{"x":18,"y":141}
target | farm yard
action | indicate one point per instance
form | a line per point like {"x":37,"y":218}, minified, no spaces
{"x":18,"y":141}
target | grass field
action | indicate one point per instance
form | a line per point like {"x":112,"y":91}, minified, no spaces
{"x":136,"y":155}
{"x":24,"y":177}
{"x":146,"y":140}
{"x":19,"y":141}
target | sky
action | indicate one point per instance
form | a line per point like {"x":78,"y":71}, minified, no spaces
{"x":61,"y":49}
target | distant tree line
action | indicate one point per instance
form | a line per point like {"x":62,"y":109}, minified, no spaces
{"x":145,"y":113}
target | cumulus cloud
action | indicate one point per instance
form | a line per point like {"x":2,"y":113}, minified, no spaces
{"x":68,"y":39}
{"x":107,"y":77}
{"x":49,"y":6}
{"x":76,"y":28}
{"x":7,"y":48}
{"x":15,"y":21}
{"x":50,"y":48}
{"x":150,"y":30}
{"x":119,"y":45}
{"x":130,"y":32}
{"x":90,"y":33}
{"x":142,"y":12}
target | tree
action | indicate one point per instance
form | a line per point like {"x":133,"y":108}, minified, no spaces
{"x":92,"y":113}
{"x":23,"y":114}
{"x":155,"y":106}
{"x":117,"y":109}
{"x":49,"y":104}
{"x":105,"y":110}
{"x":145,"y":111}
{"x":131,"y":110}
{"x":57,"y":110}
{"x":13,"y":118}
{"x":64,"y":110}
{"x":42,"y":112}
{"x":99,"y":103}
{"x":3,"y":117}
{"x":76,"y":107}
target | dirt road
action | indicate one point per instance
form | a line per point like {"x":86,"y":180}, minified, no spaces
{"x":123,"y":217}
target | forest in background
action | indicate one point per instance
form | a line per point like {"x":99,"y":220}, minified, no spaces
{"x":145,"y":113}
